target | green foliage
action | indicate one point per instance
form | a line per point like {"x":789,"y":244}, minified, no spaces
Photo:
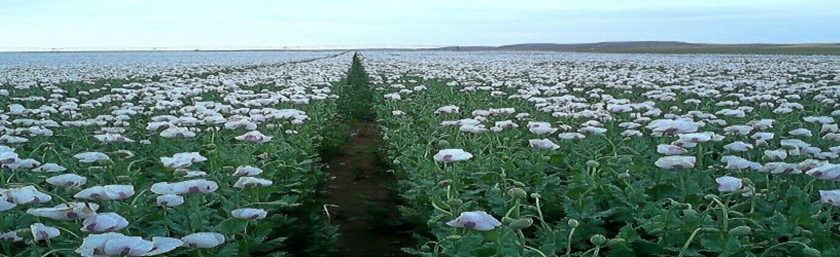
{"x":357,"y":98}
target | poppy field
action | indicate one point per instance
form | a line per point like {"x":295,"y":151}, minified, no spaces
{"x":494,"y":153}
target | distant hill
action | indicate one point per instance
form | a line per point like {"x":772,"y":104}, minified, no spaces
{"x":674,"y":47}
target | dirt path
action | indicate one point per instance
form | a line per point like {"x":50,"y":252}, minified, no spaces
{"x":367,"y":211}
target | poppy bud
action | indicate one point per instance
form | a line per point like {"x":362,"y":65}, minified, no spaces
{"x":811,"y":252}
{"x":521,"y":223}
{"x":507,"y":220}
{"x":443,"y":143}
{"x":546,"y":158}
{"x":444,"y":183}
{"x":615,"y":242}
{"x":455,"y":202}
{"x":592,"y":164}
{"x":425,"y":248}
{"x":210,"y":146}
{"x":517,"y":193}
{"x":574,"y":223}
{"x":598,"y":240}
{"x":535,"y":195}
{"x":740,"y":231}
{"x":397,"y":162}
{"x":690,"y":213}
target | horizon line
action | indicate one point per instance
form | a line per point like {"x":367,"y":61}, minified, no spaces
{"x":350,"y":47}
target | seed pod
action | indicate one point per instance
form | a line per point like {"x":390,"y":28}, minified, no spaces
{"x":522,"y":223}
{"x":210,"y":146}
{"x":592,"y":164}
{"x":455,"y":202}
{"x":740,"y":231}
{"x":398,"y":162}
{"x":535,"y":195}
{"x":690,"y":213}
{"x":574,"y":223}
{"x":517,"y":193}
{"x":444,"y":183}
{"x":598,"y":240}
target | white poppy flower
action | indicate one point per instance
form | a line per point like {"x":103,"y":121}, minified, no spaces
{"x":10,"y":236}
{"x":738,"y":146}
{"x":22,"y":164}
{"x":800,"y":132}
{"x":245,"y":182}
{"x":24,"y":195}
{"x":169,"y":200}
{"x":182,"y":160}
{"x":112,"y":138}
{"x":116,"y":244}
{"x":452,"y":155}
{"x":571,"y":136}
{"x":254,"y":137}
{"x":8,"y":156}
{"x":5,"y":205}
{"x":738,"y":163}
{"x":477,"y":220}
{"x":672,"y":127}
{"x":66,"y":211}
{"x":108,"y":192}
{"x":41,"y":232}
{"x":778,"y":154}
{"x":826,"y":171}
{"x":194,"y":173}
{"x":247,"y":171}
{"x":90,"y":157}
{"x":728,"y":184}
{"x":831,"y":197}
{"x":177,"y":132}
{"x":185,"y":187}
{"x":541,"y":128}
{"x":675,"y":162}
{"x":447,"y":109}
{"x":104,"y":222}
{"x":249,"y":213}
{"x":670,"y":149}
{"x":203,"y":240}
{"x":163,"y":245}
{"x":543,"y":144}
{"x":8,"y":139}
{"x":695,"y":138}
{"x":50,"y":168}
{"x":67,"y":180}
{"x":780,"y":168}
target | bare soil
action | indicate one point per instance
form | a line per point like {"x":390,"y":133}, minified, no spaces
{"x":367,"y":213}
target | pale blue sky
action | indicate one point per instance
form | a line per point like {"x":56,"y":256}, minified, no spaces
{"x":33,"y":24}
